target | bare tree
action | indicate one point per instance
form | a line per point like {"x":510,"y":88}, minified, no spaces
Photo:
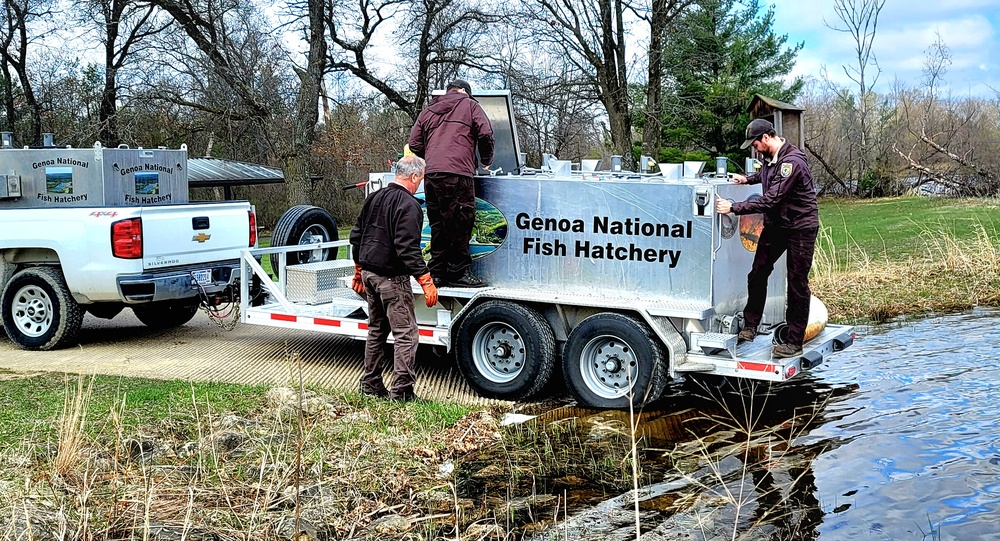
{"x":239,"y":49}
{"x":591,"y":36}
{"x":206,"y":23}
{"x":126,"y":26}
{"x":297,"y":162}
{"x":15,"y":41}
{"x":659,"y":14}
{"x":945,"y":141}
{"x":859,"y":19}
{"x":440,"y":37}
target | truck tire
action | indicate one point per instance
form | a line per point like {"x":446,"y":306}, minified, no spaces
{"x":162,"y":316}
{"x":505,"y":350}
{"x":609,"y":357}
{"x":304,"y":224}
{"x":39,"y":313}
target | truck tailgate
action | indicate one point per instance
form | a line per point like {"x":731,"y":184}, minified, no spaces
{"x":175,"y":235}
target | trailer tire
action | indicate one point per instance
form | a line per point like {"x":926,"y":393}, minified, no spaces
{"x":610,"y":355}
{"x":39,"y":312}
{"x":162,"y":316}
{"x":304,"y":224}
{"x":505,"y":350}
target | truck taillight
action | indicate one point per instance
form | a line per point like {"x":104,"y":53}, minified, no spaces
{"x":126,"y":238}
{"x":253,"y":228}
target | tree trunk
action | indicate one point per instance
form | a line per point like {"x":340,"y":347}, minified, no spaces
{"x":297,"y":169}
{"x":8,"y":97}
{"x":613,"y":80}
{"x":654,"y":84}
{"x":108,"y":114}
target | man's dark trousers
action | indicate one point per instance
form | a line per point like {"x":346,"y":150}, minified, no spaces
{"x":451,"y":211}
{"x":390,"y":308}
{"x":800,"y":245}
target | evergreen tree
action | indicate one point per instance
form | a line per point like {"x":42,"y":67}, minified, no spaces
{"x":719,"y":55}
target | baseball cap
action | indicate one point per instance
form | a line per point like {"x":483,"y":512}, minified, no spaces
{"x":755,"y":129}
{"x":460,"y":83}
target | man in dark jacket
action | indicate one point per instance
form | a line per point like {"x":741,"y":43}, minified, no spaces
{"x":791,"y":223}
{"x":447,"y":134}
{"x":385,"y":244}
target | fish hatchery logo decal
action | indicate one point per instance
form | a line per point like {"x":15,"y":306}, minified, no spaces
{"x":751,"y":226}
{"x":488,"y":231}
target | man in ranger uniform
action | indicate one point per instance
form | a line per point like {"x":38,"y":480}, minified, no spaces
{"x":791,"y":222}
{"x":447,"y":134}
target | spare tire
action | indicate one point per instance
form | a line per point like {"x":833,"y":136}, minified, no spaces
{"x":304,"y":224}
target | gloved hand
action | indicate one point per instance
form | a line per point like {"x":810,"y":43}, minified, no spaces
{"x":357,"y":285}
{"x":430,"y":291}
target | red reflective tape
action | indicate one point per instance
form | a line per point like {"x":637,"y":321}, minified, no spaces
{"x":284,"y":317}
{"x":327,"y":322}
{"x":757,"y":367}
{"x":426,"y":332}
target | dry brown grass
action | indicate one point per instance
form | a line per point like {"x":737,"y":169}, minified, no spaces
{"x":71,"y":447}
{"x":951,"y":275}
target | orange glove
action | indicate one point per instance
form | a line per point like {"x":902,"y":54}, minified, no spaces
{"x":357,"y":285}
{"x":430,"y":292}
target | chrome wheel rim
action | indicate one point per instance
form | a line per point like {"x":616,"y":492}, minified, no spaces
{"x":314,"y":234}
{"x":32,"y":311}
{"x":498,"y":352}
{"x":609,"y":366}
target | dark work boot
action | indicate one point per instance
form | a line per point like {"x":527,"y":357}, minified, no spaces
{"x":469,"y":280}
{"x":747,"y":334}
{"x":785,"y":351}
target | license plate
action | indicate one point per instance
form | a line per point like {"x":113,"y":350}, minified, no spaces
{"x":202,"y":277}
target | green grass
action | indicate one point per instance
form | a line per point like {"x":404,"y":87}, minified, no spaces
{"x":882,"y":258}
{"x":895,"y":228}
{"x":30,"y":407}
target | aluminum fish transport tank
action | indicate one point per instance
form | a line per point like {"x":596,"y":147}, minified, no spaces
{"x":619,"y":280}
{"x":52,"y":177}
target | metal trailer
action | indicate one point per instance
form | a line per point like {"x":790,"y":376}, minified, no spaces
{"x":622,"y":279}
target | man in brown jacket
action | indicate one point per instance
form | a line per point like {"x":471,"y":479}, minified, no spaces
{"x":791,"y":223}
{"x":447,"y":134}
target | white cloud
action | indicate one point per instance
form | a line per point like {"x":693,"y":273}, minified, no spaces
{"x":905,"y":30}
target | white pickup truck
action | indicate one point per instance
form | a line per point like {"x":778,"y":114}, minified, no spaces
{"x":97,"y":230}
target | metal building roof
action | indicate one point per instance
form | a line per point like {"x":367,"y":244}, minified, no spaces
{"x":208,"y":172}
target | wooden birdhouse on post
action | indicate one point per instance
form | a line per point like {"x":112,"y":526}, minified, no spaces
{"x":787,"y":118}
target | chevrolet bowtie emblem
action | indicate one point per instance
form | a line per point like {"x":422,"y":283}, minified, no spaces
{"x":201,"y":237}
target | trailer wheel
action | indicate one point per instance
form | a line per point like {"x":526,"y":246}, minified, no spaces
{"x":609,"y":357}
{"x":39,"y":313}
{"x":162,"y":316}
{"x":304,"y":224}
{"x":505,"y":350}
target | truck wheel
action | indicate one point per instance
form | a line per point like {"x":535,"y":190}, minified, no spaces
{"x":164,"y":316}
{"x":304,"y":224}
{"x":609,"y":357}
{"x":39,"y":313}
{"x":505,"y":350}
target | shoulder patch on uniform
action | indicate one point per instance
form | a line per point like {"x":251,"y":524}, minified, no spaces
{"x":786,"y":169}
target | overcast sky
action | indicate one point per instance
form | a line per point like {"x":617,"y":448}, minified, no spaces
{"x":906,"y":28}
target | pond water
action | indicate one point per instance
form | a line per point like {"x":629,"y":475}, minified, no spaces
{"x":891,"y":439}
